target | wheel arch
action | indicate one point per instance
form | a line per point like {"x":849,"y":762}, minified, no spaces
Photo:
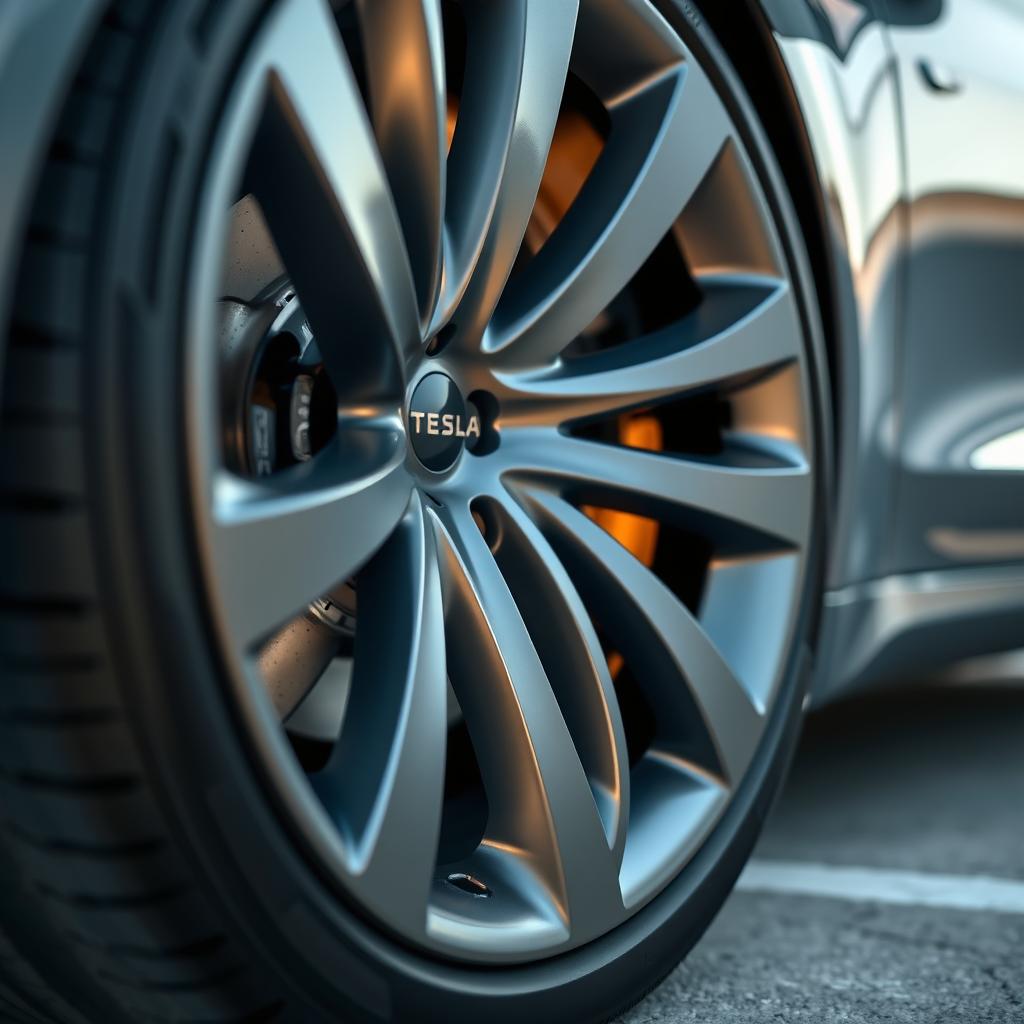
{"x":744,"y":30}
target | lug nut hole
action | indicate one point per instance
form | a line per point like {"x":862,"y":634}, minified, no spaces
{"x":488,"y":522}
{"x":469,"y":885}
{"x":438,"y":342}
{"x":485,"y":406}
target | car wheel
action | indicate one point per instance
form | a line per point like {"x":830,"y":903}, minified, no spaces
{"x":414,"y":465}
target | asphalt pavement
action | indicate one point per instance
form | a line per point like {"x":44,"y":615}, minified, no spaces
{"x":889,"y":883}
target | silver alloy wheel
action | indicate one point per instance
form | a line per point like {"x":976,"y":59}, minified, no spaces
{"x":489,"y":596}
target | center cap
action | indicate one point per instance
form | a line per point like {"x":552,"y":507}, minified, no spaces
{"x":439,"y":422}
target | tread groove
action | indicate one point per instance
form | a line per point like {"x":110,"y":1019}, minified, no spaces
{"x":191,"y":985}
{"x":191,"y":951}
{"x":45,"y":664}
{"x":264,"y":1015}
{"x":122,"y":901}
{"x":35,"y":719}
{"x":98,"y":851}
{"x":45,"y":606}
{"x":113,"y":785}
{"x":38,"y":504}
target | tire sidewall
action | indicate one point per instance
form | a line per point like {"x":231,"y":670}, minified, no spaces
{"x":234,"y":830}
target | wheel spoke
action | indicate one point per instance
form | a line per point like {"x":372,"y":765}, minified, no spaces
{"x":665,"y":137}
{"x":282,"y":541}
{"x":541,"y":804}
{"x":571,"y":653}
{"x":384,"y":783}
{"x":743,"y":327}
{"x":515,"y":76}
{"x":677,"y":802}
{"x":405,"y":69}
{"x":317,"y":174}
{"x":650,"y":622}
{"x":773,"y":499}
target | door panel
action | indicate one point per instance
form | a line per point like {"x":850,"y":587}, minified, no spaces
{"x":959,"y":496}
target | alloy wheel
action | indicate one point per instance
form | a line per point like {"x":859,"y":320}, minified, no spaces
{"x":502,"y":455}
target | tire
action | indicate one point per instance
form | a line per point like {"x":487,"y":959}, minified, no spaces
{"x":155,"y":866}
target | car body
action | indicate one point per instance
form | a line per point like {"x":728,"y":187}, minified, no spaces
{"x":910,"y":109}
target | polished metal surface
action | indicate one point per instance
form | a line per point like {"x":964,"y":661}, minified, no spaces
{"x":439,"y":426}
{"x":929,"y":619}
{"x":850,"y":100}
{"x":962,"y":361}
{"x":493,"y":597}
{"x":915,"y":112}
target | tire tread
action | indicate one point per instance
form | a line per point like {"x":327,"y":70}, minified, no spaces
{"x":100,"y":916}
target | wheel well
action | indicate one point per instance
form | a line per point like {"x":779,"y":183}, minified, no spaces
{"x":743,"y":30}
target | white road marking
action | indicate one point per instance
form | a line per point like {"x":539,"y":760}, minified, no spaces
{"x":878,"y":885}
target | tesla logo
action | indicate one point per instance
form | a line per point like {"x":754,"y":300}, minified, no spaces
{"x":444,"y":424}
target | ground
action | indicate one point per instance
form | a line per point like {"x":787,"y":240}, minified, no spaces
{"x":928,"y":782}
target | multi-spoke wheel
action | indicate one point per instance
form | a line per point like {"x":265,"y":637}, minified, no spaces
{"x":568,"y":467}
{"x":469,"y":555}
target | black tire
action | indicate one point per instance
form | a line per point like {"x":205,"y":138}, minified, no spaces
{"x":147,"y":871}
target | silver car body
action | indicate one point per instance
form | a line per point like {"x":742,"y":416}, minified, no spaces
{"x":915,"y":115}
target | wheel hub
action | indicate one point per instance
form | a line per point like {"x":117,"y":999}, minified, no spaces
{"x":440,"y":422}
